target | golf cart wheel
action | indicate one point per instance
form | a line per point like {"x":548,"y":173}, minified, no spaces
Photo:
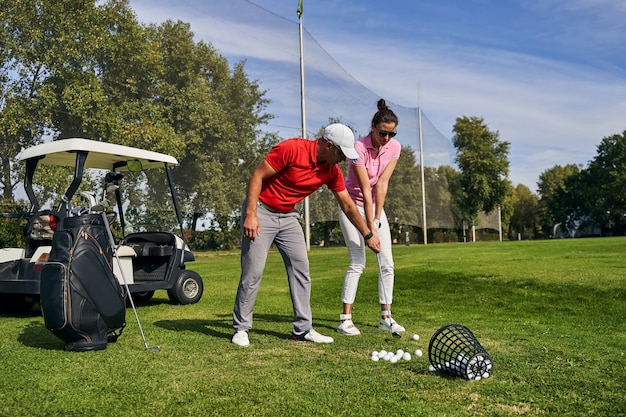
{"x":187,"y":289}
{"x":143,"y":296}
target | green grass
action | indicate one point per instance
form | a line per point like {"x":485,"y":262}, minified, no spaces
{"x":550,"y":313}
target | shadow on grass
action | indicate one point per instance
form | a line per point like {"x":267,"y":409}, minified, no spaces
{"x":223,"y":326}
{"x":37,"y":336}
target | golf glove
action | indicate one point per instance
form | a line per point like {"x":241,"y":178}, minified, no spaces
{"x":377,"y":223}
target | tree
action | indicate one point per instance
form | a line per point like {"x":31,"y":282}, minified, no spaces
{"x":443,"y":194}
{"x":574,"y":196}
{"x":70,"y":73}
{"x":552,"y":189}
{"x":523,"y":222}
{"x":404,"y":200}
{"x":80,"y":69}
{"x":216,"y":113}
{"x":483,"y":160}
{"x":607,"y":173}
{"x":22,"y":76}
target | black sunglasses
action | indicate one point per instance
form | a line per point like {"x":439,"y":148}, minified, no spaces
{"x":383,"y":134}
{"x":341,"y":154}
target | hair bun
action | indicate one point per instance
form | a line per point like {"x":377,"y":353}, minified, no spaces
{"x":384,"y":114}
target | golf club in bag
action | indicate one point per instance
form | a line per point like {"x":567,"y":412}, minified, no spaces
{"x":382,"y":284}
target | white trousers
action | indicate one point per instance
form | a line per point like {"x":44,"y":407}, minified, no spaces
{"x":357,"y":248}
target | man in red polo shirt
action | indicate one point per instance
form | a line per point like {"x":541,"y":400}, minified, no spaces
{"x":291,"y":171}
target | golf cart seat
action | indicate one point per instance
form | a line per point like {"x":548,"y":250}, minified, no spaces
{"x":155,"y":255}
{"x":151,"y":243}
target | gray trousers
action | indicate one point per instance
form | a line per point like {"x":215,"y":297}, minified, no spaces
{"x":285,"y":231}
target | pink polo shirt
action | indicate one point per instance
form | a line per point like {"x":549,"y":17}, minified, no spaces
{"x":375,"y":163}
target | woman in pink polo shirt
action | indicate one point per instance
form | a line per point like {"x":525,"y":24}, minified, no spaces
{"x":367,"y":182}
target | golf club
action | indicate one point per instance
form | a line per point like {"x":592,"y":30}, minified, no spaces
{"x":382,"y":284}
{"x":119,"y":264}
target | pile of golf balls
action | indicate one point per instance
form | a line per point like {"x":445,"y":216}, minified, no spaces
{"x":475,"y":368}
{"x":479,"y":367}
{"x":399,"y":355}
{"x":391,"y":357}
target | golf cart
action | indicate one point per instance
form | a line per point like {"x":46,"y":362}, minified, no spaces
{"x":146,"y":260}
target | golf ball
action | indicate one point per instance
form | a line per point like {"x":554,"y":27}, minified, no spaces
{"x":416,"y":337}
{"x":393,"y":359}
{"x":399,"y":352}
{"x":418,"y":352}
{"x":406,"y":356}
{"x":382,"y":353}
{"x":431,"y":368}
{"x":375,"y":358}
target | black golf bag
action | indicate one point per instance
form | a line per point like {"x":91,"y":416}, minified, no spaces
{"x":81,"y":300}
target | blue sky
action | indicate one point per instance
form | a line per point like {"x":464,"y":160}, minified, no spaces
{"x":548,"y":75}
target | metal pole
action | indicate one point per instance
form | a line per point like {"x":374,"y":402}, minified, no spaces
{"x":419,"y":124}
{"x":500,"y":222}
{"x":307,"y":220}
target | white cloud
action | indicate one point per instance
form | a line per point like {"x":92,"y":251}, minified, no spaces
{"x":554,"y":103}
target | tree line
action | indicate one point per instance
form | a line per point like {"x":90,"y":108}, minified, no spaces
{"x":89,"y":69}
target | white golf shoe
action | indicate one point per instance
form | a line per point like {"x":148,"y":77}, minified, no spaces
{"x":389,"y":324}
{"x":347,"y":326}
{"x":311,"y":336}
{"x":240,"y":338}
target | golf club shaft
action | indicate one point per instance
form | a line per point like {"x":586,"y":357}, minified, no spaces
{"x":119,"y":264}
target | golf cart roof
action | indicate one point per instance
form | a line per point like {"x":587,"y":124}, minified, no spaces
{"x":102,"y":155}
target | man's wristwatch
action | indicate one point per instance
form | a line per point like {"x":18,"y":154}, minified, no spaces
{"x":368,"y":236}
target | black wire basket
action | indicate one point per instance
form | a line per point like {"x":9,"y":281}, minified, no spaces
{"x":454,"y":350}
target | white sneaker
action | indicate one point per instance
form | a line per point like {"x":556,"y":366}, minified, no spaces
{"x":240,"y":338}
{"x":311,"y":336}
{"x":390,"y":325}
{"x":348,"y":328}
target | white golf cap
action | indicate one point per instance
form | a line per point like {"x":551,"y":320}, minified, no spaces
{"x":342,"y":136}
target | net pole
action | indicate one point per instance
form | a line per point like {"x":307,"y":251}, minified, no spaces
{"x":307,"y":215}
{"x":419,"y":129}
{"x":500,"y":222}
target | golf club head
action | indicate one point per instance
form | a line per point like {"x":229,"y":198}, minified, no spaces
{"x":153,"y":348}
{"x":89,"y":198}
{"x":396,"y":335}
